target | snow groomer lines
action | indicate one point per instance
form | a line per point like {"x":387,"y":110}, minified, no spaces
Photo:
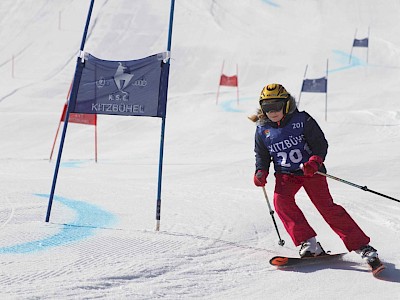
{"x":88,"y":219}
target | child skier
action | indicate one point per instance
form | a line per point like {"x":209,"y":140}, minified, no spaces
{"x":296,"y":145}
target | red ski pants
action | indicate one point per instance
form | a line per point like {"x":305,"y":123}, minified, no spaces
{"x":293,"y":219}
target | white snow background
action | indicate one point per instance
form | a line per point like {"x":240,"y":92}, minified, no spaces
{"x":216,"y":233}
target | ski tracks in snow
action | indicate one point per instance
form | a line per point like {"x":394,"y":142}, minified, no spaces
{"x":5,"y":215}
{"x":143,"y":264}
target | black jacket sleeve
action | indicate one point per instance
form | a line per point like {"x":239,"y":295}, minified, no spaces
{"x":315,"y":138}
{"x":263,"y":158}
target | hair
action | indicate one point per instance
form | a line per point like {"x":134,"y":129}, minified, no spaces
{"x":258,"y":116}
{"x":290,"y":105}
{"x":261,"y":117}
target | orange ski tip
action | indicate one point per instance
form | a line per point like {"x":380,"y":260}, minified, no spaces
{"x":280,"y":261}
{"x":378,"y":270}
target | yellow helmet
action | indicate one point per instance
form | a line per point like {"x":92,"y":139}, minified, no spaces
{"x":273,"y":91}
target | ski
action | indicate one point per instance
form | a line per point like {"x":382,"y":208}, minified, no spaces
{"x":378,"y":270}
{"x":287,"y":261}
{"x":377,"y":267}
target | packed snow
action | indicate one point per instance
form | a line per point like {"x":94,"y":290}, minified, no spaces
{"x":216,"y":235}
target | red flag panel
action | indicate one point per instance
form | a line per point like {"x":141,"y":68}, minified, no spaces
{"x":228,"y":80}
{"x":88,"y":119}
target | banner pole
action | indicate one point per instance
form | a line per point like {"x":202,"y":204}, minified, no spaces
{"x":74,"y":93}
{"x":352,"y":46}
{"x":368,"y":45}
{"x":219,"y":82}
{"x":95,"y":138}
{"x":61,"y":119}
{"x":302,"y":85}
{"x":54,"y":142}
{"x":160,"y":165}
{"x":326,"y":93}
{"x":237,"y":82}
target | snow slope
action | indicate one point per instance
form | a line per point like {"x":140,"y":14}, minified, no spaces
{"x":216,"y":233}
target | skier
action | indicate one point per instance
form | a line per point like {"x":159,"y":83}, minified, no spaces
{"x":296,"y":145}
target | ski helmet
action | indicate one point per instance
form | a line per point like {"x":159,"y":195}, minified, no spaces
{"x":275,"y":97}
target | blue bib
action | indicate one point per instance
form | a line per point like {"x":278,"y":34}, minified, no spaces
{"x":287,"y":145}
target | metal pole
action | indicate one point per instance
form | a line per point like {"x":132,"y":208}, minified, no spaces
{"x":75,"y":86}
{"x":219,"y":82}
{"x":237,"y":83}
{"x":364,"y":188}
{"x":326,"y":93}
{"x":352,"y":45}
{"x":302,"y":84}
{"x":271,"y":212}
{"x":160,"y":165}
{"x":368,"y":45}
{"x":95,"y":138}
{"x":54,"y":142}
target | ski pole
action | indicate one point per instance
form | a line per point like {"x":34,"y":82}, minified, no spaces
{"x":271,"y":212}
{"x":364,"y":188}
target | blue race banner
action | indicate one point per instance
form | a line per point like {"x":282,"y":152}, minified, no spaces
{"x":129,"y":88}
{"x":315,"y":85}
{"x":360,"y":43}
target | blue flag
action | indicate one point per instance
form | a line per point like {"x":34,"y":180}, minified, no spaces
{"x":360,"y":43}
{"x":315,"y":85}
{"x":129,"y":88}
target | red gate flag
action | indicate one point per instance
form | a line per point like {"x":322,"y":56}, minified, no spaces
{"x":88,"y":119}
{"x":228,"y":80}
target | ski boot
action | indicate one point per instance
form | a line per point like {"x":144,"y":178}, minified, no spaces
{"x":370,"y":255}
{"x":311,"y":248}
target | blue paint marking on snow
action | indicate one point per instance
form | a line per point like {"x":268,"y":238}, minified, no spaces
{"x":228,"y":105}
{"x":71,"y":164}
{"x":88,"y":218}
{"x":272,"y":3}
{"x":343,"y":58}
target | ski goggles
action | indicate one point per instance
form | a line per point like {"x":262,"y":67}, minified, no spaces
{"x":272,"y":106}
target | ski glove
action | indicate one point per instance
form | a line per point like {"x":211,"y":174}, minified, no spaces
{"x":312,"y":166}
{"x":260,"y":177}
